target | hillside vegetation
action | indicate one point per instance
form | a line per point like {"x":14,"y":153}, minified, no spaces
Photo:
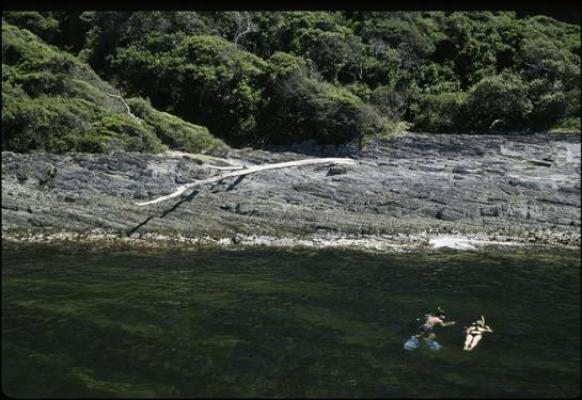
{"x":54,"y":102}
{"x":252,"y":78}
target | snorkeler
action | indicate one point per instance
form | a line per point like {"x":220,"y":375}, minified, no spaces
{"x":475,"y":333}
{"x":425,"y":331}
{"x":432,"y":320}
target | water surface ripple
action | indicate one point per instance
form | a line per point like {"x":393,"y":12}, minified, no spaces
{"x":296,"y":323}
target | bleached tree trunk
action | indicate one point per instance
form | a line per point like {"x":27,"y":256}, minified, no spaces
{"x":126,"y":106}
{"x":247,"y":171}
{"x":244,"y":25}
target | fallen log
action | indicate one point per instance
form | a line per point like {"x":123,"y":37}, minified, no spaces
{"x":247,"y":171}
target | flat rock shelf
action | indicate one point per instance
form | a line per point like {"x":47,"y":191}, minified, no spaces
{"x":409,"y":188}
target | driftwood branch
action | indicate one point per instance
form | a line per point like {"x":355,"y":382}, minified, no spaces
{"x":126,"y":106}
{"x":233,"y":168}
{"x":247,"y":171}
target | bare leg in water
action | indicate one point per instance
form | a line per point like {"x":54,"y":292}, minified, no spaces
{"x":471,"y":341}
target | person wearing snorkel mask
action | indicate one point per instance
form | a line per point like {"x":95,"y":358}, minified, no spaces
{"x":475,"y":333}
{"x":432,"y":320}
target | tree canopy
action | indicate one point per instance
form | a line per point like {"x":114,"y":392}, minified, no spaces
{"x":280,"y":77}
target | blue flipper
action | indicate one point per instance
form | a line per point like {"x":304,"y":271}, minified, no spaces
{"x":412,"y":343}
{"x":433,"y":344}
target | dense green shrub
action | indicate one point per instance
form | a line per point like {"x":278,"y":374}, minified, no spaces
{"x":282,"y":64}
{"x":175,"y":132}
{"x":302,"y":109}
{"x":51,"y":101}
{"x":39,"y":23}
{"x":548,"y":109}
{"x":440,"y":113}
{"x":567,"y":125}
{"x":388,"y":102}
{"x":499,"y":102}
{"x":203,"y":79}
{"x":291,"y":76}
{"x":423,"y":59}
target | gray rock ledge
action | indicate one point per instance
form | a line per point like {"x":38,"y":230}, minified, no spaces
{"x":519,"y":189}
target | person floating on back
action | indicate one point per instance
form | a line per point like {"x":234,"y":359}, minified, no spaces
{"x":475,"y":333}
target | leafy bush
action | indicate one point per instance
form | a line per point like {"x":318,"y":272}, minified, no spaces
{"x":337,"y":75}
{"x":302,"y":108}
{"x":568,"y":125}
{"x":422,"y":61}
{"x":282,"y":64}
{"x":40,"y":23}
{"x":499,"y":102}
{"x":204,"y":79}
{"x":548,"y":110}
{"x":440,"y":113}
{"x":53,"y":102}
{"x":174,"y":132}
{"x":388,"y":102}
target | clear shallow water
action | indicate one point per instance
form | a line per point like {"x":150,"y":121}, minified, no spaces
{"x":216,"y":323}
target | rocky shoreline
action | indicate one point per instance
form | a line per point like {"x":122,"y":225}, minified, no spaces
{"x":377,"y":244}
{"x":410,"y":192}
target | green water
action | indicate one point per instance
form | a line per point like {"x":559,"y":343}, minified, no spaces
{"x":264,"y":323}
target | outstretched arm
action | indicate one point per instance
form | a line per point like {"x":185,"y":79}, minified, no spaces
{"x":450,"y":323}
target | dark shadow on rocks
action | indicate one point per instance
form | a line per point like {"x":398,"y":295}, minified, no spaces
{"x":133,"y":230}
{"x":311,"y":148}
{"x":188,"y":198}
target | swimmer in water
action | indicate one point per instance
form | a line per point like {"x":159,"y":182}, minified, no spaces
{"x":432,"y":320}
{"x":475,"y":333}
